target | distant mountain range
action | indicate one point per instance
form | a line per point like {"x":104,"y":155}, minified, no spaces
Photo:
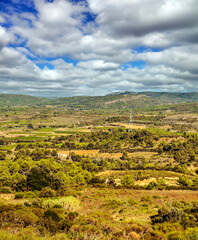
{"x":118,"y":100}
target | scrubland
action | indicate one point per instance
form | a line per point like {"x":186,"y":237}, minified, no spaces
{"x":81,"y":174}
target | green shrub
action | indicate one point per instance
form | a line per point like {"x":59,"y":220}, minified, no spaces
{"x":166,"y":214}
{"x":112,"y":204}
{"x":30,"y":194}
{"x":5,"y":190}
{"x":176,"y":236}
{"x":127,"y":181}
{"x":67,"y":203}
{"x":132,"y":202}
{"x":40,"y":177}
{"x":25,"y":217}
{"x":147,"y":199}
{"x":151,"y":185}
{"x":184,"y":181}
{"x":191,"y":234}
{"x":37,"y":203}
{"x":47,"y":192}
{"x":6,"y":207}
{"x":189,"y":221}
{"x":52,"y":213}
{"x":27,"y":204}
{"x":19,"y":195}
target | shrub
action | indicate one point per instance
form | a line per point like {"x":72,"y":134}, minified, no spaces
{"x":19,"y":195}
{"x":151,"y":185}
{"x":175,"y":236}
{"x":5,"y":190}
{"x":47,"y":192}
{"x":25,"y":217}
{"x":184,"y":181}
{"x":67,"y":203}
{"x":53,"y":214}
{"x":40,"y":177}
{"x":192,"y":234}
{"x":188,"y":221}
{"x":37,"y":203}
{"x":112,"y":204}
{"x":134,"y":236}
{"x":165,"y":214}
{"x":30,"y":194}
{"x":96,"y":180}
{"x":147,"y":199}
{"x":127,"y":181}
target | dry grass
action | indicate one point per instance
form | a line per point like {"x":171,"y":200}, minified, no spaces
{"x":95,"y":153}
{"x":145,"y":181}
{"x":136,"y":205}
{"x":6,"y":196}
{"x":126,"y":125}
{"x":80,"y":152}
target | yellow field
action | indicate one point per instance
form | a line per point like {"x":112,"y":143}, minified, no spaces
{"x":126,"y":125}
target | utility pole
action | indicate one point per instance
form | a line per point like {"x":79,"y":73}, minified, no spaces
{"x":130,"y":122}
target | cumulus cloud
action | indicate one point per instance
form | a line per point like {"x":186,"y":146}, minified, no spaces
{"x":6,"y":37}
{"x":94,"y":46}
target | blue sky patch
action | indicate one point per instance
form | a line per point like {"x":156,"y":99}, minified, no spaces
{"x":142,"y":49}
{"x":43,"y":65}
{"x":136,"y":64}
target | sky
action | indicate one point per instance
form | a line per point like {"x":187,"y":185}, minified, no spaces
{"x":61,"y":48}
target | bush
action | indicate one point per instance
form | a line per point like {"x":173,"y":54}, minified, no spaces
{"x":184,"y":181}
{"x":5,"y":190}
{"x":30,"y":194}
{"x":96,"y":180}
{"x":112,"y":204}
{"x":25,"y":217}
{"x":168,"y":215}
{"x":151,"y":185}
{"x":127,"y":181}
{"x":19,"y":195}
{"x":47,"y":192}
{"x":67,"y":203}
{"x":52,"y":213}
{"x":40,"y":177}
{"x":175,"y":236}
{"x":192,"y":234}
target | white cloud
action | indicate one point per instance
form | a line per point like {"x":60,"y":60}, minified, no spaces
{"x":6,"y":37}
{"x":98,"y":65}
{"x":101,"y":47}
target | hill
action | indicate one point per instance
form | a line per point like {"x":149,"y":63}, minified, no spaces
{"x":123,"y":100}
{"x":119,"y":100}
{"x":21,"y":100}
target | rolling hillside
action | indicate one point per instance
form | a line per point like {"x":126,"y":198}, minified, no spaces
{"x":119,"y":100}
{"x":21,"y":100}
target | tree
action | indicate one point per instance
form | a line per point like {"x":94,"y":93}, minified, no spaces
{"x":184,"y":181}
{"x":40,"y":177}
{"x":127,"y":181}
{"x":30,"y":126}
{"x":125,"y":156}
